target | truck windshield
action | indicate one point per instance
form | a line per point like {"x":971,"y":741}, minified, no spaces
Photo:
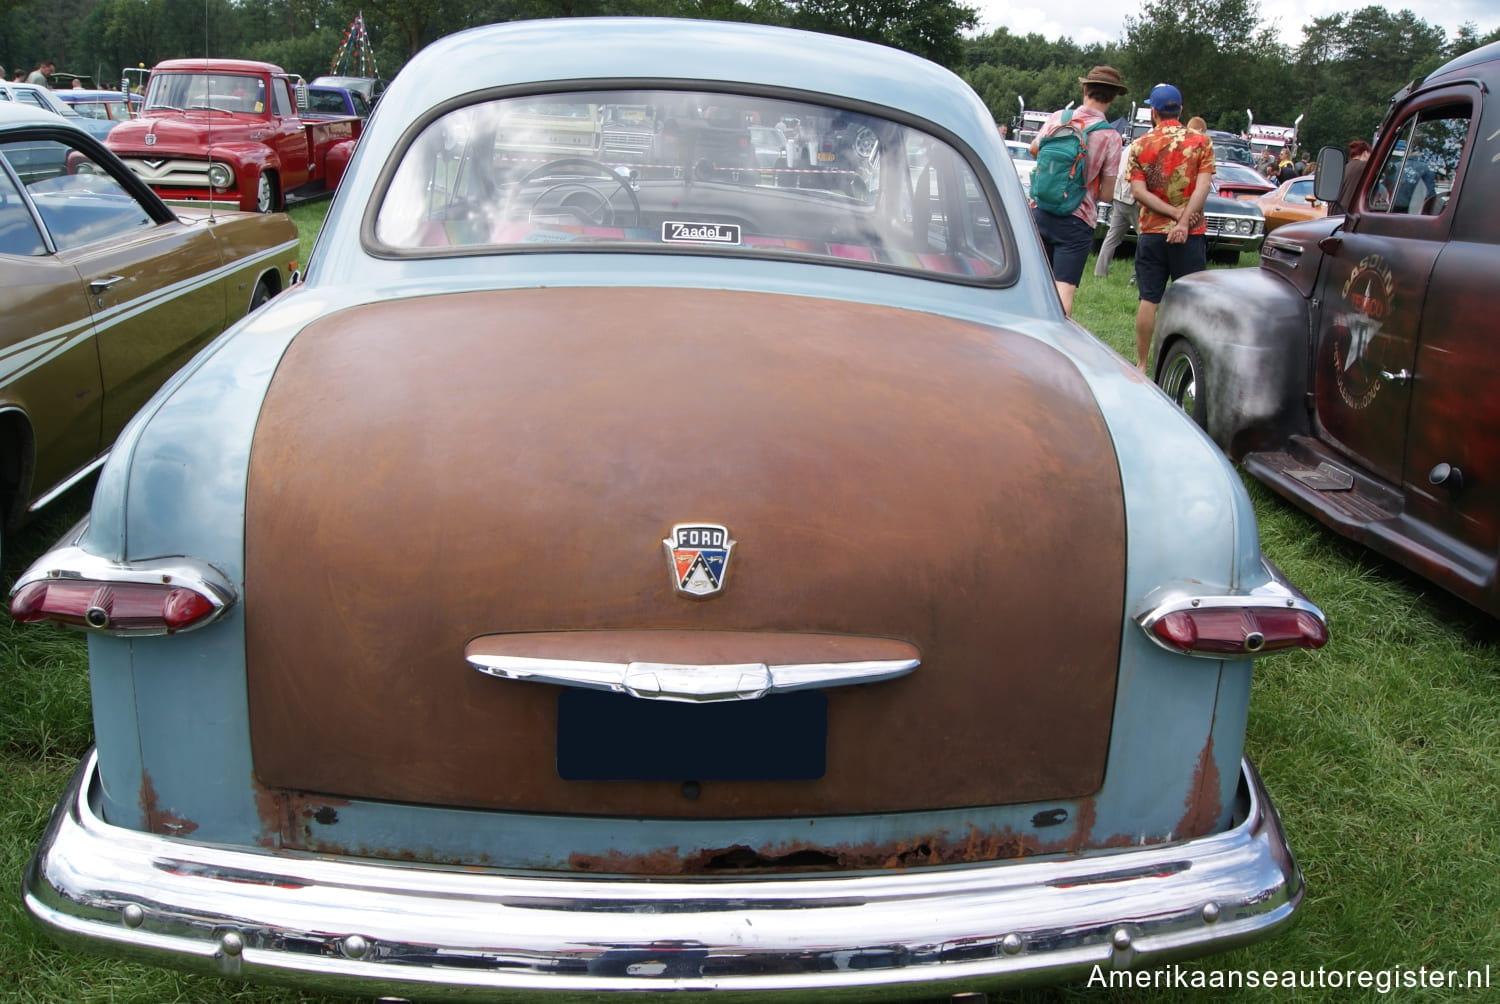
{"x":224,"y":92}
{"x":691,"y":173}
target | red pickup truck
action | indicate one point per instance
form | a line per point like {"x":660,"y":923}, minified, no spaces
{"x":228,"y":130}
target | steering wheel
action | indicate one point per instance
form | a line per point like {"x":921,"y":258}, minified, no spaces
{"x":578,"y":198}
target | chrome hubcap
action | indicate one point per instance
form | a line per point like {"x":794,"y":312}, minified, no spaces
{"x":1181,"y":383}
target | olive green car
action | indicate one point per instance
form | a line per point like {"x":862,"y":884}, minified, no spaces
{"x":105,"y":292}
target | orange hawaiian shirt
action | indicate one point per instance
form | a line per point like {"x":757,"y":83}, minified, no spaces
{"x":1169,"y":159}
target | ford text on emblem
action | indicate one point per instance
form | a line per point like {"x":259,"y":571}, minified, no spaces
{"x":151,"y":139}
{"x":699,"y":553}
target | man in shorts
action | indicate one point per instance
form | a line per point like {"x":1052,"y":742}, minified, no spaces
{"x":1068,"y":239}
{"x":1170,"y":168}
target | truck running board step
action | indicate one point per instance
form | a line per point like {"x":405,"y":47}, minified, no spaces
{"x":1324,"y":478}
{"x":1342,"y":495}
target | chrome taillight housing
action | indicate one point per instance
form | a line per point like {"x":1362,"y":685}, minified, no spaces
{"x":72,"y":587}
{"x":1270,"y":618}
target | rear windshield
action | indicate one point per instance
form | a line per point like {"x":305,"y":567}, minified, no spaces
{"x":691,"y":172}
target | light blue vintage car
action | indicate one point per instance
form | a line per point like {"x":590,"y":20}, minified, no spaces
{"x":669,"y":572}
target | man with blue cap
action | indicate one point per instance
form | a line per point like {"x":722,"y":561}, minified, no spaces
{"x":1170,"y":170}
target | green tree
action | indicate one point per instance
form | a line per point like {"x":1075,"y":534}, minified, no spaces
{"x":1350,"y":64}
{"x":1006,"y":69}
{"x":1206,"y":48}
{"x":929,"y":28}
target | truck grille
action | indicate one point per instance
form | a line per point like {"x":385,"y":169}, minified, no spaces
{"x":170,"y":173}
{"x":627,"y":144}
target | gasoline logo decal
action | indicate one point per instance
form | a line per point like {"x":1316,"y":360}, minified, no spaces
{"x":1369,"y":295}
{"x":699,"y":555}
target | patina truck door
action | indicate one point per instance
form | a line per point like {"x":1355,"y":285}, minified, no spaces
{"x":1453,"y":438}
{"x":1375,"y":281}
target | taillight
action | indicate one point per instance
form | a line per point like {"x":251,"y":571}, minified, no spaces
{"x":1240,"y":631}
{"x":127,"y":607}
{"x":71,"y":586}
{"x":1272,"y":617}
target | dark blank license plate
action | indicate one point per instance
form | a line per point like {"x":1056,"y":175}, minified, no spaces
{"x":616,"y":737}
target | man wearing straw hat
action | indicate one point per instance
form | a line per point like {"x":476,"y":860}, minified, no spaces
{"x":1068,"y":239}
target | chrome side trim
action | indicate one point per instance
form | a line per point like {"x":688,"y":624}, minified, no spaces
{"x":1277,"y":593}
{"x":376,"y":928}
{"x":660,"y":681}
{"x":67,"y":560}
{"x":68,"y":482}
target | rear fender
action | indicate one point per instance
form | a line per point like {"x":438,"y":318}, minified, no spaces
{"x":336,"y":162}
{"x":1252,"y":333}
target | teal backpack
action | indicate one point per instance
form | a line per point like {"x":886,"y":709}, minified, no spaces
{"x":1059,"y":180}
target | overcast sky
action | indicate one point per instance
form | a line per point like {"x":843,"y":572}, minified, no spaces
{"x":1087,"y":21}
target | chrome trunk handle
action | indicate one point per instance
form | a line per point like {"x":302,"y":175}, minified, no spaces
{"x":695,"y":684}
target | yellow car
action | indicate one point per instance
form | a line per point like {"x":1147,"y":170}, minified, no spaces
{"x":1292,"y":202}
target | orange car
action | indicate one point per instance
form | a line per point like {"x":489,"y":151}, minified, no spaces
{"x":1292,"y":202}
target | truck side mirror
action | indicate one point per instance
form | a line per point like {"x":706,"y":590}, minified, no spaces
{"x":301,"y":92}
{"x":1330,"y":174}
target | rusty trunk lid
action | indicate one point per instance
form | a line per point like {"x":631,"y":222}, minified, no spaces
{"x":496,"y":465}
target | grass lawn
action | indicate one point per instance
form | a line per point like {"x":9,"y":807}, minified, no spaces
{"x":1382,"y":752}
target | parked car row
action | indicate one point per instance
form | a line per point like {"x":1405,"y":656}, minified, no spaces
{"x":1234,"y":227}
{"x":36,"y":96}
{"x":633,"y":506}
{"x":105,"y":293}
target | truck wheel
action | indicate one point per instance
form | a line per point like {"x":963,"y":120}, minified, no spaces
{"x":1181,"y":376}
{"x":266,"y":199}
{"x":262,"y":295}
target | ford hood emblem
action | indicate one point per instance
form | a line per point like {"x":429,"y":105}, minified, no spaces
{"x":699,"y":556}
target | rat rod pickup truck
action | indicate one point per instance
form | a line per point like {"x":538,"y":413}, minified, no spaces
{"x":1354,"y":371}
{"x":228,"y":130}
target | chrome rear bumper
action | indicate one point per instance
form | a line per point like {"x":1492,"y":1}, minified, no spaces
{"x":383,"y":929}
